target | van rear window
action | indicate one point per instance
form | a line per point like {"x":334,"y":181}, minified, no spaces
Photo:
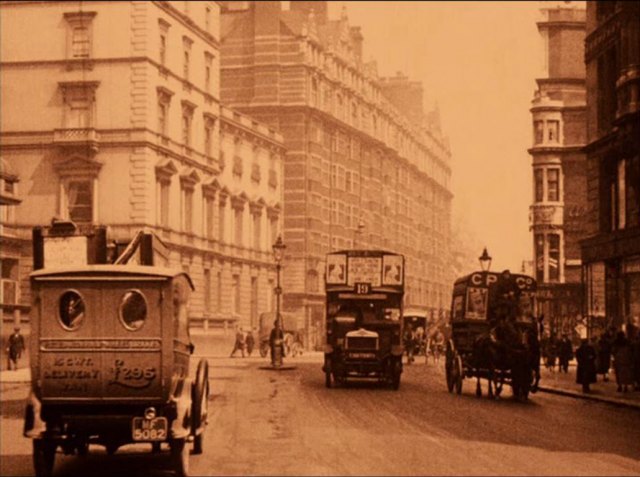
{"x":71,"y":310}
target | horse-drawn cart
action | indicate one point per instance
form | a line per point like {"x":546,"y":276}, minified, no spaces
{"x":292,"y":328}
{"x":494,"y":334}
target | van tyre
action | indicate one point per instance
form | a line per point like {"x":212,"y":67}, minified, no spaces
{"x":200,"y":405}
{"x":180,"y":457}
{"x":44,"y":456}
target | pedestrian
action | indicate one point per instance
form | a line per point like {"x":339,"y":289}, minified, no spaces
{"x":15,"y":348}
{"x":552,"y":353}
{"x":409,"y":343}
{"x":586,"y":369}
{"x":604,"y":354}
{"x":239,"y":343}
{"x":250,"y":342}
{"x":276,"y":340}
{"x":565,"y":353}
{"x":622,"y":361}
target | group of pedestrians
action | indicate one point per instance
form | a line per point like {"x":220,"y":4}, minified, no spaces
{"x":618,"y":348}
{"x":557,"y":351}
{"x":244,"y":342}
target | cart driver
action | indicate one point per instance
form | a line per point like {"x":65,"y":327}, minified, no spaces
{"x":507,"y":295}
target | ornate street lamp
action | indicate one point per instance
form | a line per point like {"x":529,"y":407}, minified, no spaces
{"x":485,"y":260}
{"x":278,"y":252}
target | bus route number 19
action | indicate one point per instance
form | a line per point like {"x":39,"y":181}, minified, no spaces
{"x":362,"y":288}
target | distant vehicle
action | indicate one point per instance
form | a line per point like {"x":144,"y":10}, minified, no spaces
{"x":480,"y":346}
{"x":111,"y":358}
{"x":364,"y":290}
{"x":418,"y":321}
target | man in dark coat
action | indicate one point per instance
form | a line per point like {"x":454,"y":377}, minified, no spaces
{"x":276,"y":339}
{"x":15,"y":348}
{"x":507,"y":294}
{"x":604,"y":354}
{"x":565,"y":353}
{"x":586,"y":372}
{"x":250,"y":342}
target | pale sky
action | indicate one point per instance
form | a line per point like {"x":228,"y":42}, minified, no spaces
{"x":478,"y":61}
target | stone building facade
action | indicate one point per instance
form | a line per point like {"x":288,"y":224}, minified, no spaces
{"x":111,"y":115}
{"x":10,"y":245}
{"x":558,"y":212}
{"x":358,"y":173}
{"x":611,"y":253}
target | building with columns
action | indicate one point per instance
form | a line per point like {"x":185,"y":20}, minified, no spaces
{"x":559,"y":208}
{"x":111,"y":115}
{"x":358,"y":172}
{"x":611,"y":251}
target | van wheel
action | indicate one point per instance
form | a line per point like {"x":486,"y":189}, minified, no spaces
{"x":112,"y":448}
{"x":83,"y":448}
{"x":180,"y":457}
{"x":44,"y":456}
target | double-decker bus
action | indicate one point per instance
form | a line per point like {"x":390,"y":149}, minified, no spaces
{"x":364,"y":291}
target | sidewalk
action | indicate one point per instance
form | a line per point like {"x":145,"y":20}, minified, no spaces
{"x":565,"y":385}
{"x":212,"y":344}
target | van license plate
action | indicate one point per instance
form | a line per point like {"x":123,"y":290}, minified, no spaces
{"x":149,"y":429}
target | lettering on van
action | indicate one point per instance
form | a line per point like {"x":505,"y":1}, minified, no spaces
{"x":109,"y":344}
{"x":75,"y":371}
{"x":131,"y":377}
{"x":477,"y":279}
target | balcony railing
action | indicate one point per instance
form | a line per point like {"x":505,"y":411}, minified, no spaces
{"x":76,"y":137}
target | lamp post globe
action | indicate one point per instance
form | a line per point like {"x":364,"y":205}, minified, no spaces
{"x":485,"y":260}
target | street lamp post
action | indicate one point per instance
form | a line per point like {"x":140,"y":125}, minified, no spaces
{"x":358,"y":233}
{"x":485,"y":260}
{"x":278,"y":252}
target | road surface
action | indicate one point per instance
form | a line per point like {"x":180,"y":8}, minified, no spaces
{"x":287,"y":423}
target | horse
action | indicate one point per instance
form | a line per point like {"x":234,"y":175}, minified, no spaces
{"x":485,"y":356}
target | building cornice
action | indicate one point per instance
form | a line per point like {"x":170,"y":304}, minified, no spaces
{"x":107,"y":138}
{"x":537,"y":109}
{"x":537,"y":150}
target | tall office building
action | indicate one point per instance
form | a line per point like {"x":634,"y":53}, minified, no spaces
{"x":361,"y":170}
{"x":558,"y":212}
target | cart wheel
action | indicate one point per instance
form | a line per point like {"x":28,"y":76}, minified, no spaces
{"x":458,"y":373}
{"x":180,"y":457}
{"x":44,"y":456}
{"x":448,"y":369}
{"x":200,"y":404}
